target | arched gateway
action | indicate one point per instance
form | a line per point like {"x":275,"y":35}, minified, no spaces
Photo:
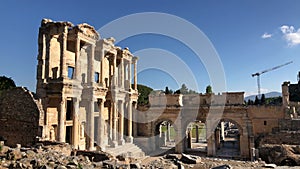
{"x":179,"y":111}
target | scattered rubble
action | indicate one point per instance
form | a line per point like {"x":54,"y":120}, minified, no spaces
{"x":54,"y":155}
{"x":288,"y":155}
{"x":49,"y":155}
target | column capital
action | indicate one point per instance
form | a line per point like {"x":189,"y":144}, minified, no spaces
{"x":76,"y":99}
{"x":135,"y":59}
{"x":101,"y":100}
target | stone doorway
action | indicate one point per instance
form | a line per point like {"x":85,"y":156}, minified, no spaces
{"x":227,"y":139}
{"x":196,"y":137}
{"x":69,"y":134}
{"x":165,"y":135}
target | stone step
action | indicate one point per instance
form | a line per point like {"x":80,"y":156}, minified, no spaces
{"x":127,"y":150}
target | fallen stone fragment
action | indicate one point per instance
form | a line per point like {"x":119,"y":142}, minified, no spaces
{"x":188,"y":159}
{"x":222,"y":167}
{"x":269,"y":166}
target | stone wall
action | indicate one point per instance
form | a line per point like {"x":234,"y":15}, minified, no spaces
{"x":166,"y":100}
{"x":228,"y":98}
{"x":19,"y":117}
{"x":282,"y":137}
{"x":289,"y":125}
{"x":265,"y":118}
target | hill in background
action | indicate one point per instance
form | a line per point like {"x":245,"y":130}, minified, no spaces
{"x":267,"y":95}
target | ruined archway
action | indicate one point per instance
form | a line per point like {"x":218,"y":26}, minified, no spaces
{"x":196,"y":142}
{"x":165,"y":136}
{"x":243,"y":136}
{"x":227,"y":138}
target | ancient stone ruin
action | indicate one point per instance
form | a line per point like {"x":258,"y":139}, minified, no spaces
{"x":84,"y":83}
{"x":21,"y":116}
{"x":86,"y":96}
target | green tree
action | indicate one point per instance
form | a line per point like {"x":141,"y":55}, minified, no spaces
{"x":167,"y":91}
{"x":192,"y":92}
{"x":208,"y":89}
{"x":144,"y":92}
{"x":177,"y":91}
{"x":184,"y":89}
{"x":274,"y":100}
{"x":6,"y":83}
{"x":256,"y":101}
{"x":263,"y":99}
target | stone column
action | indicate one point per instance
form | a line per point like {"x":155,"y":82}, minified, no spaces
{"x":285,"y":94}
{"x":77,"y":59}
{"x":75,"y":133}
{"x":101,"y":124}
{"x":110,"y":123}
{"x":121,"y":122}
{"x":114,"y":126}
{"x":101,"y":67}
{"x":121,"y":78}
{"x":189,"y":139}
{"x":222,"y":131}
{"x":134,"y":122}
{"x":115,"y":75}
{"x":129,"y":138}
{"x":180,"y":137}
{"x":197,"y":133}
{"x":168,"y":131}
{"x":61,"y":120}
{"x":218,"y":138}
{"x":90,"y":124}
{"x":210,"y":138}
{"x":160,"y":130}
{"x":129,"y":75}
{"x":91,"y":71}
{"x":135,"y":72}
{"x":41,"y":57}
{"x":47,"y":57}
{"x":63,"y":49}
{"x":211,"y":146}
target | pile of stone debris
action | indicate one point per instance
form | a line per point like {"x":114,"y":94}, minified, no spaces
{"x":48,"y":155}
{"x":53,"y":155}
{"x":191,"y":161}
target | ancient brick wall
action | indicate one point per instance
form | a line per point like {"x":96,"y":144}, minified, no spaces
{"x":265,"y":118}
{"x":289,"y":125}
{"x":283,"y":137}
{"x":19,"y":117}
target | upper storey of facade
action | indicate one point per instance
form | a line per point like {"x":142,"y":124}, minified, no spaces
{"x":76,"y":57}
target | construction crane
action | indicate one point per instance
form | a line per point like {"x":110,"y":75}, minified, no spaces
{"x":265,"y":71}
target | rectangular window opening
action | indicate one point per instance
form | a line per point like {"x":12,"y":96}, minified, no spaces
{"x":69,"y":114}
{"x":70,"y":72}
{"x":96,"y":77}
{"x":265,"y":123}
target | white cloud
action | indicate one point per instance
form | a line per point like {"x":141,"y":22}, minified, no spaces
{"x":291,"y":35}
{"x":266,"y":36}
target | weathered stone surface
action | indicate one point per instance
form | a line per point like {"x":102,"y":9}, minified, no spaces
{"x":19,"y":117}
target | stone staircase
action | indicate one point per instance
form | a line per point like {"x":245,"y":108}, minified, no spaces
{"x":127,"y":150}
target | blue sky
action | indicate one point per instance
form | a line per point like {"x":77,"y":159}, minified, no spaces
{"x":249,"y":36}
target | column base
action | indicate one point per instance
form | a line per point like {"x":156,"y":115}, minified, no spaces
{"x":114,"y":144}
{"x":129,"y":139}
{"x":121,"y":142}
{"x":92,"y":148}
